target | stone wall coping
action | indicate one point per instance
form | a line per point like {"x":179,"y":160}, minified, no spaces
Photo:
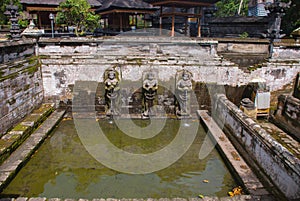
{"x":17,"y":43}
{"x":133,"y":39}
{"x":158,"y":39}
{"x":205,"y":198}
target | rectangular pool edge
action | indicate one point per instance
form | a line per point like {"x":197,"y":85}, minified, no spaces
{"x":10,"y":167}
{"x":237,"y":164}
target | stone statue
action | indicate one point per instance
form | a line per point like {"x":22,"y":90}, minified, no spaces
{"x":150,"y":86}
{"x":112,"y":92}
{"x":183,"y":88}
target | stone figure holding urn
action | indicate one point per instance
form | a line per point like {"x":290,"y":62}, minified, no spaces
{"x":112,"y":90}
{"x":150,"y":86}
{"x":182,"y":92}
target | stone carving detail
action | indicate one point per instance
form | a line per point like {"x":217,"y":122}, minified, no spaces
{"x":12,"y":13}
{"x":183,"y":87}
{"x":112,"y":92}
{"x":150,"y":86}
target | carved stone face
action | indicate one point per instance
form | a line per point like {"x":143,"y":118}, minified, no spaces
{"x":111,"y":75}
{"x":185,"y":76}
{"x":150,"y":76}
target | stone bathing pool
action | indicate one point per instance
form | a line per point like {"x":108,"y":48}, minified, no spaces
{"x":62,"y":167}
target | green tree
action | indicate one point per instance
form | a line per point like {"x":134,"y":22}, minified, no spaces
{"x":77,"y":13}
{"x":230,"y":7}
{"x":23,"y":17}
{"x":3,"y":4}
{"x":291,"y":20}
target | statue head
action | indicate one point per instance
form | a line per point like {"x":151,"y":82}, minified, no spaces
{"x":186,"y":75}
{"x":111,"y":74}
{"x":150,"y":75}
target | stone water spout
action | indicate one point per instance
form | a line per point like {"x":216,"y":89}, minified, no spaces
{"x":150,"y":86}
{"x":182,"y":92}
{"x":112,"y":92}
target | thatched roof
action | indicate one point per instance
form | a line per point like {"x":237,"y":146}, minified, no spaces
{"x":124,"y":4}
{"x":93,"y":3}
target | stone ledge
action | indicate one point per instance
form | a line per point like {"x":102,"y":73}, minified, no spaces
{"x":205,"y":198}
{"x":236,"y":162}
{"x":275,"y":160}
{"x":20,"y":156}
{"x":10,"y":141}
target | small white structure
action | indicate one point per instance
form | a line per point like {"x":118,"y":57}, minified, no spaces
{"x":261,"y":97}
{"x":31,"y":31}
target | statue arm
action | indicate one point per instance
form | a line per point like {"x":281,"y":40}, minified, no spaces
{"x":181,"y":86}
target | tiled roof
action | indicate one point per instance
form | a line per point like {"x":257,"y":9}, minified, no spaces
{"x":93,"y":3}
{"x":196,"y":1}
{"x":131,"y":4}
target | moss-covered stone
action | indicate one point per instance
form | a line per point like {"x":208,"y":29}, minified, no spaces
{"x":13,"y":139}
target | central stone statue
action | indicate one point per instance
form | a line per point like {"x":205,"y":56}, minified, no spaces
{"x":182,"y":92}
{"x":112,"y":90}
{"x":150,"y":86}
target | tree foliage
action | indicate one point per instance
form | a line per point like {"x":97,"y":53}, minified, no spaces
{"x":228,"y":8}
{"x":291,"y":20}
{"x":3,"y":4}
{"x":77,"y":13}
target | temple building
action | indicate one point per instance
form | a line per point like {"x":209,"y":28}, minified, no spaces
{"x":120,"y":15}
{"x":257,"y":7}
{"x":39,"y":10}
{"x":186,"y":11}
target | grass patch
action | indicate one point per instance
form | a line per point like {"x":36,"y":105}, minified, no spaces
{"x":20,"y":127}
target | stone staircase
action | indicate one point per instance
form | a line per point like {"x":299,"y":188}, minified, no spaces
{"x":10,"y":141}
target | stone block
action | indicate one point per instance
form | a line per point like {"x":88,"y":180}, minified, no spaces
{"x":4,"y":176}
{"x":21,"y":199}
{"x":37,"y":199}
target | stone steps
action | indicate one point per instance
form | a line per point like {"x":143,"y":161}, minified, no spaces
{"x":13,"y":163}
{"x":14,"y":138}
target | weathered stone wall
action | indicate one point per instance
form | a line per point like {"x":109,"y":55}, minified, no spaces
{"x":277,"y":162}
{"x":244,"y":52}
{"x":286,"y":51}
{"x":237,"y":25}
{"x":21,"y":87}
{"x":64,"y":61}
{"x":287,"y":115}
{"x":16,"y":50}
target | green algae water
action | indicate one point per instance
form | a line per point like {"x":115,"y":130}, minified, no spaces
{"x":62,"y":168}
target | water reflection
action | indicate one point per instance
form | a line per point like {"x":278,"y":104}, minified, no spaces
{"x":63,"y":168}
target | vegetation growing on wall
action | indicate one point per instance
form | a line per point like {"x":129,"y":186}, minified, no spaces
{"x":291,"y":20}
{"x":228,"y":8}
